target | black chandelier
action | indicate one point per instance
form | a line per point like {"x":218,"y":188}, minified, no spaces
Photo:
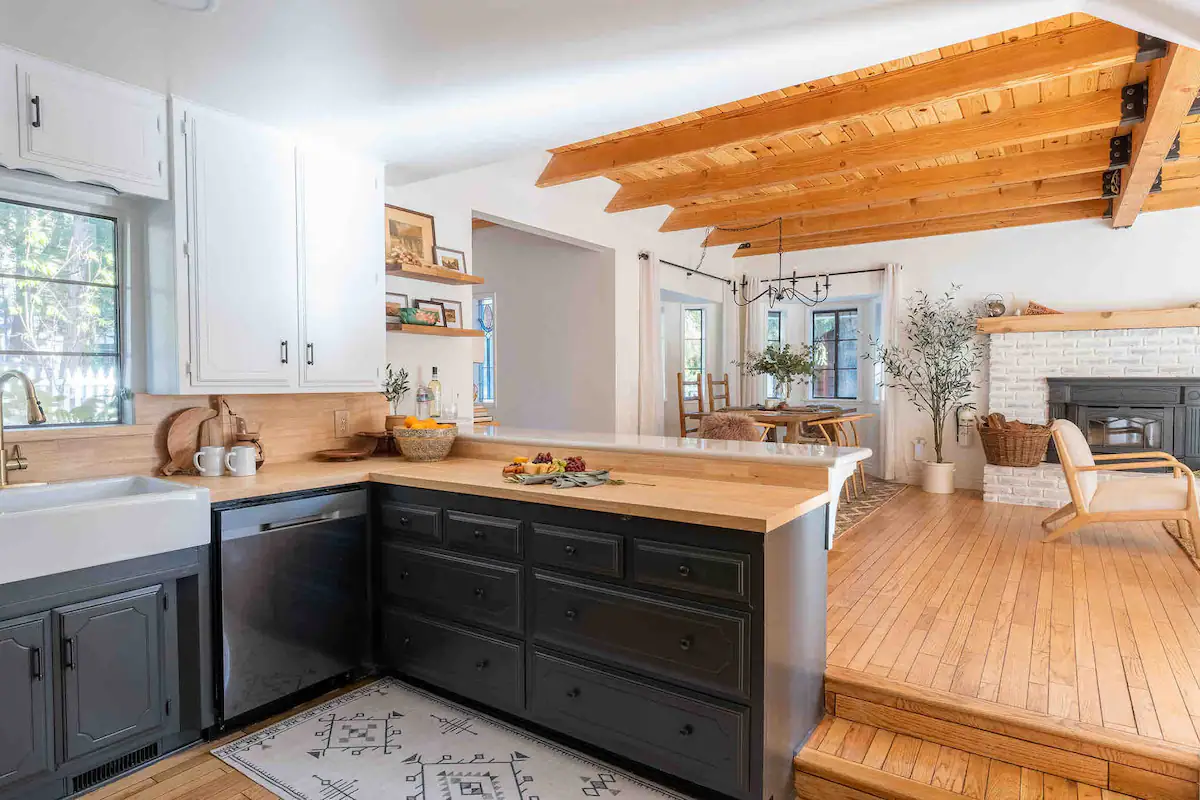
{"x":779,"y":289}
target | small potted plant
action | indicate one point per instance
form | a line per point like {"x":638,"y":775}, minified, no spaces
{"x":785,"y":364}
{"x":395,"y":387}
{"x":936,"y":368}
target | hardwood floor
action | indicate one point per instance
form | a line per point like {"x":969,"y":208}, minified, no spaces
{"x":952,"y":594}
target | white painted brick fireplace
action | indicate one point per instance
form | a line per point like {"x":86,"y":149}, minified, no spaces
{"x":1020,"y":363}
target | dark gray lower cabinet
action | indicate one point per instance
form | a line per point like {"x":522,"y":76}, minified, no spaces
{"x":24,"y":744}
{"x":111,"y":669}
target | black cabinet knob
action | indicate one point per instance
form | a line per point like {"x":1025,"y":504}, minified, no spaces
{"x":573,"y":693}
{"x":569,"y":550}
{"x":685,"y":643}
{"x":479,"y":534}
{"x":481,"y":665}
{"x":405,"y":521}
{"x":571,"y":614}
{"x":686,"y":730}
{"x":479,"y":593}
{"x":403,"y":574}
{"x":684,"y":570}
{"x":407,"y":641}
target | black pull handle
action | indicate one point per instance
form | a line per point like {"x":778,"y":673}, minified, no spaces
{"x":479,"y":534}
{"x":573,"y":693}
{"x":569,"y":550}
{"x":283,"y":351}
{"x":35,"y":663}
{"x":685,"y":643}
{"x":684,"y":570}
{"x":571,"y":614}
{"x":686,"y":730}
{"x":479,"y":593}
{"x":36,"y":102}
{"x":309,"y":348}
{"x":68,"y":653}
{"x":481,"y":665}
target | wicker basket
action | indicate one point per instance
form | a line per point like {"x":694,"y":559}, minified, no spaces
{"x":432,"y":444}
{"x":1015,"y":447}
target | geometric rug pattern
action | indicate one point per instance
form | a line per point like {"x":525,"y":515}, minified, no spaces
{"x":391,"y":741}
{"x":853,"y":511}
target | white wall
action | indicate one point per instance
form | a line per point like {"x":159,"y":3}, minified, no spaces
{"x":506,"y":192}
{"x":1069,"y":266}
{"x":555,"y":342}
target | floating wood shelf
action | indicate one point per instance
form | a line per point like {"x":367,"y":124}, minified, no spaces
{"x":1093,"y":321}
{"x":434,"y":330}
{"x":428,"y":272}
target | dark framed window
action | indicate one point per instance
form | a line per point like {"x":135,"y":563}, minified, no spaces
{"x":774,"y":339}
{"x":693,"y":350}
{"x":835,"y":354}
{"x":60,"y":320}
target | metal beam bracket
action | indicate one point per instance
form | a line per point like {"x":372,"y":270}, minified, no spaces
{"x":1150,"y":48}
{"x":1110,"y":185}
{"x":1120,"y":151}
{"x":1134,"y":99}
{"x":1157,"y":187}
{"x":1108,"y":214}
{"x":1173,"y":153}
{"x":1195,"y":109}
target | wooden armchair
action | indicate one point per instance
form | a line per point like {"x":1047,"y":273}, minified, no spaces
{"x":1156,"y":497}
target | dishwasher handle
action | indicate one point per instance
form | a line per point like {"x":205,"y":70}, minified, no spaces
{"x":300,"y":522}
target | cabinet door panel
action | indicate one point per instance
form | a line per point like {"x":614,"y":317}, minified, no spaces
{"x":112,"y":670}
{"x":240,"y":198}
{"x":108,"y":132}
{"x":341,"y":271}
{"x":23,"y":742}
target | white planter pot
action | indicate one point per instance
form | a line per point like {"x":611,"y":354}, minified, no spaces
{"x":938,"y":478}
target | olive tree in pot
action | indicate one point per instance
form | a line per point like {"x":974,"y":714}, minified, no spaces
{"x":936,"y":368}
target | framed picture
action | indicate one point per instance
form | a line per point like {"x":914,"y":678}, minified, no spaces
{"x":395,"y":301}
{"x":436,"y":307}
{"x":452,"y":312}
{"x":407,"y":231}
{"x":450,"y":259}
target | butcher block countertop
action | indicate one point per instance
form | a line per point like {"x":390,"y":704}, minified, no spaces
{"x":725,"y":504}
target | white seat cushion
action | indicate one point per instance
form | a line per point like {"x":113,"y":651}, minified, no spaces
{"x":1140,"y":494}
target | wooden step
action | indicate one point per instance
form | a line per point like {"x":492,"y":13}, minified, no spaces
{"x":853,"y":761}
{"x":1065,"y":749}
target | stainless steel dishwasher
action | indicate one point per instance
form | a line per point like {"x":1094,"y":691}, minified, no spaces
{"x":292,"y":600}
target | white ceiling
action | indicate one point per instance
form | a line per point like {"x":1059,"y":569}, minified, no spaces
{"x":434,"y":86}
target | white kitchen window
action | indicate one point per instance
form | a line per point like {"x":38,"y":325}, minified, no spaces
{"x":60,"y":313}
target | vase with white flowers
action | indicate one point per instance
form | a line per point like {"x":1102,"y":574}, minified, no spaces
{"x":786,"y":364}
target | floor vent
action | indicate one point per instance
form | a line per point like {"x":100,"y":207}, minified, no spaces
{"x":111,"y":769}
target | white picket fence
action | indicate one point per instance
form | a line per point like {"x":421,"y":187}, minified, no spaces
{"x":71,"y":387}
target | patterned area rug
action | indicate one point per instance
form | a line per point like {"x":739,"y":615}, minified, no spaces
{"x":390,"y":741}
{"x":853,"y":511}
{"x":1184,"y":540}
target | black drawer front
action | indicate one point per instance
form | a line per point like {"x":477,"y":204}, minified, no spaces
{"x":692,"y":569}
{"x":579,"y":551}
{"x":708,"y":648}
{"x":491,"y":536}
{"x":458,"y":587}
{"x":484,"y":668}
{"x":420,"y":523}
{"x":707,"y":742}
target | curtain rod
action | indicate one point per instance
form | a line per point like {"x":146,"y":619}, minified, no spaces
{"x":689,"y":270}
{"x":822,"y":275}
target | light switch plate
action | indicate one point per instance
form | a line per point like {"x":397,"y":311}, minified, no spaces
{"x":341,"y":424}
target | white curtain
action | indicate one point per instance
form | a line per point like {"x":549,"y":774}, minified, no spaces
{"x":752,"y":336}
{"x":650,"y":377}
{"x":889,"y":399}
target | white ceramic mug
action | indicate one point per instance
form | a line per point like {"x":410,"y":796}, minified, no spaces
{"x":210,"y":461}
{"x":241,"y":461}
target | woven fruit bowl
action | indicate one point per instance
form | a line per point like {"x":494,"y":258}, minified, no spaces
{"x":429,"y":444}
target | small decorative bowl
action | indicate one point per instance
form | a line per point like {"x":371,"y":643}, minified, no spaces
{"x":430,"y":444}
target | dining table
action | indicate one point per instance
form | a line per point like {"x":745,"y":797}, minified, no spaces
{"x":794,"y":419}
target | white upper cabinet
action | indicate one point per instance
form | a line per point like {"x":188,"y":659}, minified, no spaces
{"x":82,"y":127}
{"x":235,"y":197}
{"x":8,"y":108}
{"x":341,"y":271}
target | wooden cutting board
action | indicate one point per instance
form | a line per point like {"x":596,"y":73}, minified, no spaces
{"x":183,"y":437}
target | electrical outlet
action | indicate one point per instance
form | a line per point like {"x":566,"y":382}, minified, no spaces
{"x":341,"y":424}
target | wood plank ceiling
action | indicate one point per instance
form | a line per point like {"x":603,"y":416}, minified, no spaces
{"x":1069,"y":118}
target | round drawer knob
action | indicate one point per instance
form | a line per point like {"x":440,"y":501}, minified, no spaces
{"x":571,"y":614}
{"x":684,"y":570}
{"x":481,"y":665}
{"x":573,"y":693}
{"x":569,"y":550}
{"x":479,"y":593}
{"x":403,"y":574}
{"x":405,"y":521}
{"x":407,"y":641}
{"x":479,"y":534}
{"x":685,"y":643}
{"x":686,"y":730}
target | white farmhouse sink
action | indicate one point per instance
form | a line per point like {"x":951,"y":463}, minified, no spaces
{"x":65,"y":526}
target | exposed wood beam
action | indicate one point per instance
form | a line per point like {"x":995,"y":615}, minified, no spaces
{"x":1084,"y":48}
{"x":986,"y":173}
{"x":1174,"y":82}
{"x":1168,"y":200}
{"x":480,"y":224}
{"x":1027,"y":195}
{"x":1092,"y":209}
{"x":1087,"y":112}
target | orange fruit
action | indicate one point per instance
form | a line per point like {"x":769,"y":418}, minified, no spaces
{"x":410,"y":421}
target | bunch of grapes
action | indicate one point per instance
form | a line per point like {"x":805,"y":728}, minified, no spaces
{"x":576,"y":464}
{"x":543,"y":458}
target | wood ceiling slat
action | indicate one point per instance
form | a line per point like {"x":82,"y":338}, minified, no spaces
{"x":1091,"y":46}
{"x":1073,"y":115}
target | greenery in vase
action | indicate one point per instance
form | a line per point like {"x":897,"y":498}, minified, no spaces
{"x":937,"y":366}
{"x":785,"y":364}
{"x":395,"y":387}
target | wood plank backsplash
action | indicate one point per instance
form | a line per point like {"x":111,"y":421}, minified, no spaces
{"x":294,"y":427}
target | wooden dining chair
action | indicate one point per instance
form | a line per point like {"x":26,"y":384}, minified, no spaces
{"x":684,"y":430}
{"x":1147,"y":498}
{"x":843,"y":432}
{"x":714,"y":396}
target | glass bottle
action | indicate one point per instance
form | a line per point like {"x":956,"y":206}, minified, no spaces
{"x":422,"y":402}
{"x":435,"y":396}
